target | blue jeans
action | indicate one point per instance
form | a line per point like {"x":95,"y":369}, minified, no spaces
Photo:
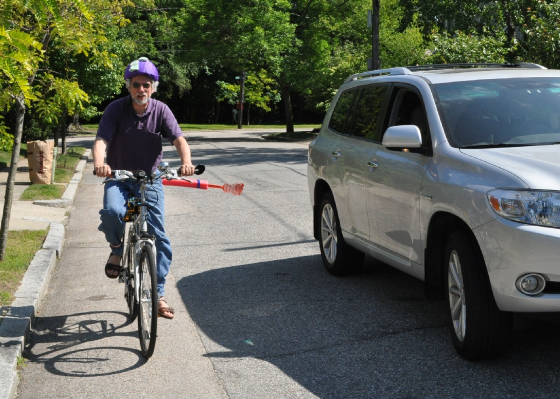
{"x":112,"y":224}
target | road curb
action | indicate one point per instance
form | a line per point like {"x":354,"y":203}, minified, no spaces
{"x":16,"y":319}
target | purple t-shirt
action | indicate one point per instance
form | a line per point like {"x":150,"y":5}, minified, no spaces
{"x":134,"y":141}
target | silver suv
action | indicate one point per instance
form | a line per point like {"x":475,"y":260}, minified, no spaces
{"x":450,"y":173}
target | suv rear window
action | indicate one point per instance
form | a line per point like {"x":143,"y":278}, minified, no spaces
{"x":342,"y":111}
{"x":358,"y":112}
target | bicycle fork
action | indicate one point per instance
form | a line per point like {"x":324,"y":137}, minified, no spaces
{"x":137,"y":253}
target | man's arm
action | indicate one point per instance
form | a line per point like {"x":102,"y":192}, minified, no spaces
{"x":100,"y":168}
{"x":184,"y":151}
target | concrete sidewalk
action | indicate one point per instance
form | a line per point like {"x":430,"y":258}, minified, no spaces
{"x":15,"y":320}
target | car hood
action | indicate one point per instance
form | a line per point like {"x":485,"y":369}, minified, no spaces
{"x":538,"y":166}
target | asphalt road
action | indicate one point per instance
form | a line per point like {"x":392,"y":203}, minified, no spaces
{"x":257,"y":315}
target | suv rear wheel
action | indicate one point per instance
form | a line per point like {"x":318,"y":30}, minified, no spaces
{"x":338,"y":257}
{"x":478,"y":328}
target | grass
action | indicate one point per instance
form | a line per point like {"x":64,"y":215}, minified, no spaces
{"x":21,"y":362}
{"x":6,"y":156}
{"x":43,"y":192}
{"x":20,"y":249}
{"x":65,"y":167}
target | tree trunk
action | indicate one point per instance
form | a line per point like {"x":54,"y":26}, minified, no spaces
{"x":218,"y":112}
{"x":288,"y":111}
{"x":20,"y":113}
{"x":375,"y":61}
{"x":76,"y":121}
{"x":62,"y":130}
{"x":55,"y":134}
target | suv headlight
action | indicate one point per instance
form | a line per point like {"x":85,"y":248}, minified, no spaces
{"x":541,"y":208}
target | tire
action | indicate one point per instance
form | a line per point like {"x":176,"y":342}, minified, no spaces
{"x":478,"y":328}
{"x":129,"y":289}
{"x":338,"y":257}
{"x":147,"y":306}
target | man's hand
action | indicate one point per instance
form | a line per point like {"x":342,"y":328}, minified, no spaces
{"x":102,"y":170}
{"x":186,"y":170}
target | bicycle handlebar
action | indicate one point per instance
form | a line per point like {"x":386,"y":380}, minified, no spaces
{"x":172,"y":178}
{"x":122,"y":174}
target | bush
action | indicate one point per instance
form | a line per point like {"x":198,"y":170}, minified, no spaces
{"x":467,"y":47}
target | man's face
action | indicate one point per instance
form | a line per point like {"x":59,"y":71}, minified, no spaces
{"x":141,"y":89}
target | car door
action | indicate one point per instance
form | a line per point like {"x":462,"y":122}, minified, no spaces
{"x":396,"y":181}
{"x":339,"y":152}
{"x":362,"y":139}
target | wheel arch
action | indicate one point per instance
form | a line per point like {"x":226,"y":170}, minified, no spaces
{"x":441,"y":225}
{"x":321,"y":189}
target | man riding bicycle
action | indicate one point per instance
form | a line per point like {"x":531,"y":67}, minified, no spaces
{"x":130,"y":137}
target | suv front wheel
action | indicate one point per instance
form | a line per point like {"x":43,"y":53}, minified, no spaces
{"x":478,"y":328}
{"x":338,"y":257}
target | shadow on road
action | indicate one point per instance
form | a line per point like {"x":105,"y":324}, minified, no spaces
{"x":372,"y":334}
{"x":71,"y":351}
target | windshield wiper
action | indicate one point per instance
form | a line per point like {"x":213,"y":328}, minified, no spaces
{"x":503,"y":145}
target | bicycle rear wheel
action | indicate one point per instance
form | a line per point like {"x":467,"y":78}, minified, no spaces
{"x":148,"y":301}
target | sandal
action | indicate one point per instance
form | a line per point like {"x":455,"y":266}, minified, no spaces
{"x":112,"y":270}
{"x":164,"y":310}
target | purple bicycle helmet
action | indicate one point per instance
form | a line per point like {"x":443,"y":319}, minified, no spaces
{"x":141,"y":66}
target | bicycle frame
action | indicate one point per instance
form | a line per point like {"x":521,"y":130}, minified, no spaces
{"x":138,"y":236}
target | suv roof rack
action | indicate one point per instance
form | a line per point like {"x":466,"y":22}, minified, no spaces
{"x":474,"y":65}
{"x":379,"y":72}
{"x":409,"y":69}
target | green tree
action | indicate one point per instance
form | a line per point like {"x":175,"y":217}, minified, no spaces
{"x":28,"y":31}
{"x":400,"y":46}
{"x":240,"y":36}
{"x":464,"y":48}
{"x":539,"y":36}
{"x":526,"y":29}
{"x":260,"y":91}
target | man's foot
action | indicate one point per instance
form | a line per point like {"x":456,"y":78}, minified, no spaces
{"x":164,"y":310}
{"x":113,"y":266}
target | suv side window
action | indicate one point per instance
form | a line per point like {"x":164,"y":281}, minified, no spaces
{"x":408,"y":109}
{"x":342,"y":112}
{"x":368,"y":112}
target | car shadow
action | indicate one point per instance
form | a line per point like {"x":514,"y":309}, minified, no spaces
{"x":370,"y":334}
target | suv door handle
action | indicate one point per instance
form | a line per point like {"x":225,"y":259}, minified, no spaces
{"x":336,"y":154}
{"x":372,"y":164}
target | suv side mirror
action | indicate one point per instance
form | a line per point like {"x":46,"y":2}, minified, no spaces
{"x":402,"y":136}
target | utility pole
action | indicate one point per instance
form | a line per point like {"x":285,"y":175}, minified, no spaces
{"x":241,"y":99}
{"x":374,"y":21}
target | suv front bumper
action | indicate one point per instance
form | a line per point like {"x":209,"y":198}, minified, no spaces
{"x":512,"y":249}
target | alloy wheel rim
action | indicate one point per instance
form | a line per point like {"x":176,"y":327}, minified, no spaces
{"x":457,"y":305}
{"x":329,"y":236}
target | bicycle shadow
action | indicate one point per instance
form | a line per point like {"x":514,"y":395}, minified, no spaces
{"x":65,"y":345}
{"x":367,"y":335}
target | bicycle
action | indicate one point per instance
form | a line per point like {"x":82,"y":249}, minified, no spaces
{"x":138,"y":263}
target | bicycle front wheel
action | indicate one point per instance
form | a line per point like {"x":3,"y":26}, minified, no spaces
{"x":129,"y":284}
{"x":148,"y":301}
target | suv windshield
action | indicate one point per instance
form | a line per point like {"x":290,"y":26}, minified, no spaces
{"x":500,"y":112}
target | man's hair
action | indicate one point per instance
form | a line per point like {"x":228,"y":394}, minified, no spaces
{"x":155,"y":84}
